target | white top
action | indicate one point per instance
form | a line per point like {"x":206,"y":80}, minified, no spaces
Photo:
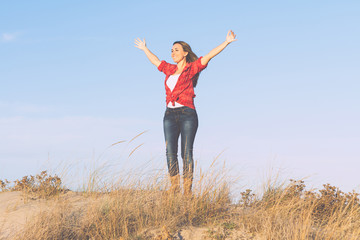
{"x":171,"y":83}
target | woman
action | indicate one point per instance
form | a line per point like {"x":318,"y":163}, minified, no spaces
{"x":180,"y":116}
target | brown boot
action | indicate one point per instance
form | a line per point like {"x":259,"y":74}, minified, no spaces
{"x":187,"y":187}
{"x":175,"y":184}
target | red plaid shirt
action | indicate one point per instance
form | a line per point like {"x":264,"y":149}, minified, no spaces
{"x":183,"y":92}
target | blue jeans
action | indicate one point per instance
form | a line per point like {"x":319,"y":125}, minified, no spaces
{"x":180,"y":121}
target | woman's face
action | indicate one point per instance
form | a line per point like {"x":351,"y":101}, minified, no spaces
{"x":177,"y":53}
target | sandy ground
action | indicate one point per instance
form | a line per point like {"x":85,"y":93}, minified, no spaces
{"x":16,"y":211}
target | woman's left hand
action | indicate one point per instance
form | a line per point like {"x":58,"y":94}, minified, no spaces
{"x":230,"y":37}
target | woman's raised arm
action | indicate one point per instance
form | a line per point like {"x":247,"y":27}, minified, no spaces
{"x":152,"y":57}
{"x":230,"y":37}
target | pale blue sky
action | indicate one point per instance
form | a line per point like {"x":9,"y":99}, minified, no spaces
{"x":285,"y":95}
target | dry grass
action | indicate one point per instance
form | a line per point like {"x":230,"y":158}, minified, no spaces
{"x":39,"y":186}
{"x":132,"y":209}
{"x":291,"y":212}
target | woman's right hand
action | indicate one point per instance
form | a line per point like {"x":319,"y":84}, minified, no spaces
{"x":140,"y":44}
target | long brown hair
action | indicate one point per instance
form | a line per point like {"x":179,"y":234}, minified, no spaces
{"x":190,"y":57}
